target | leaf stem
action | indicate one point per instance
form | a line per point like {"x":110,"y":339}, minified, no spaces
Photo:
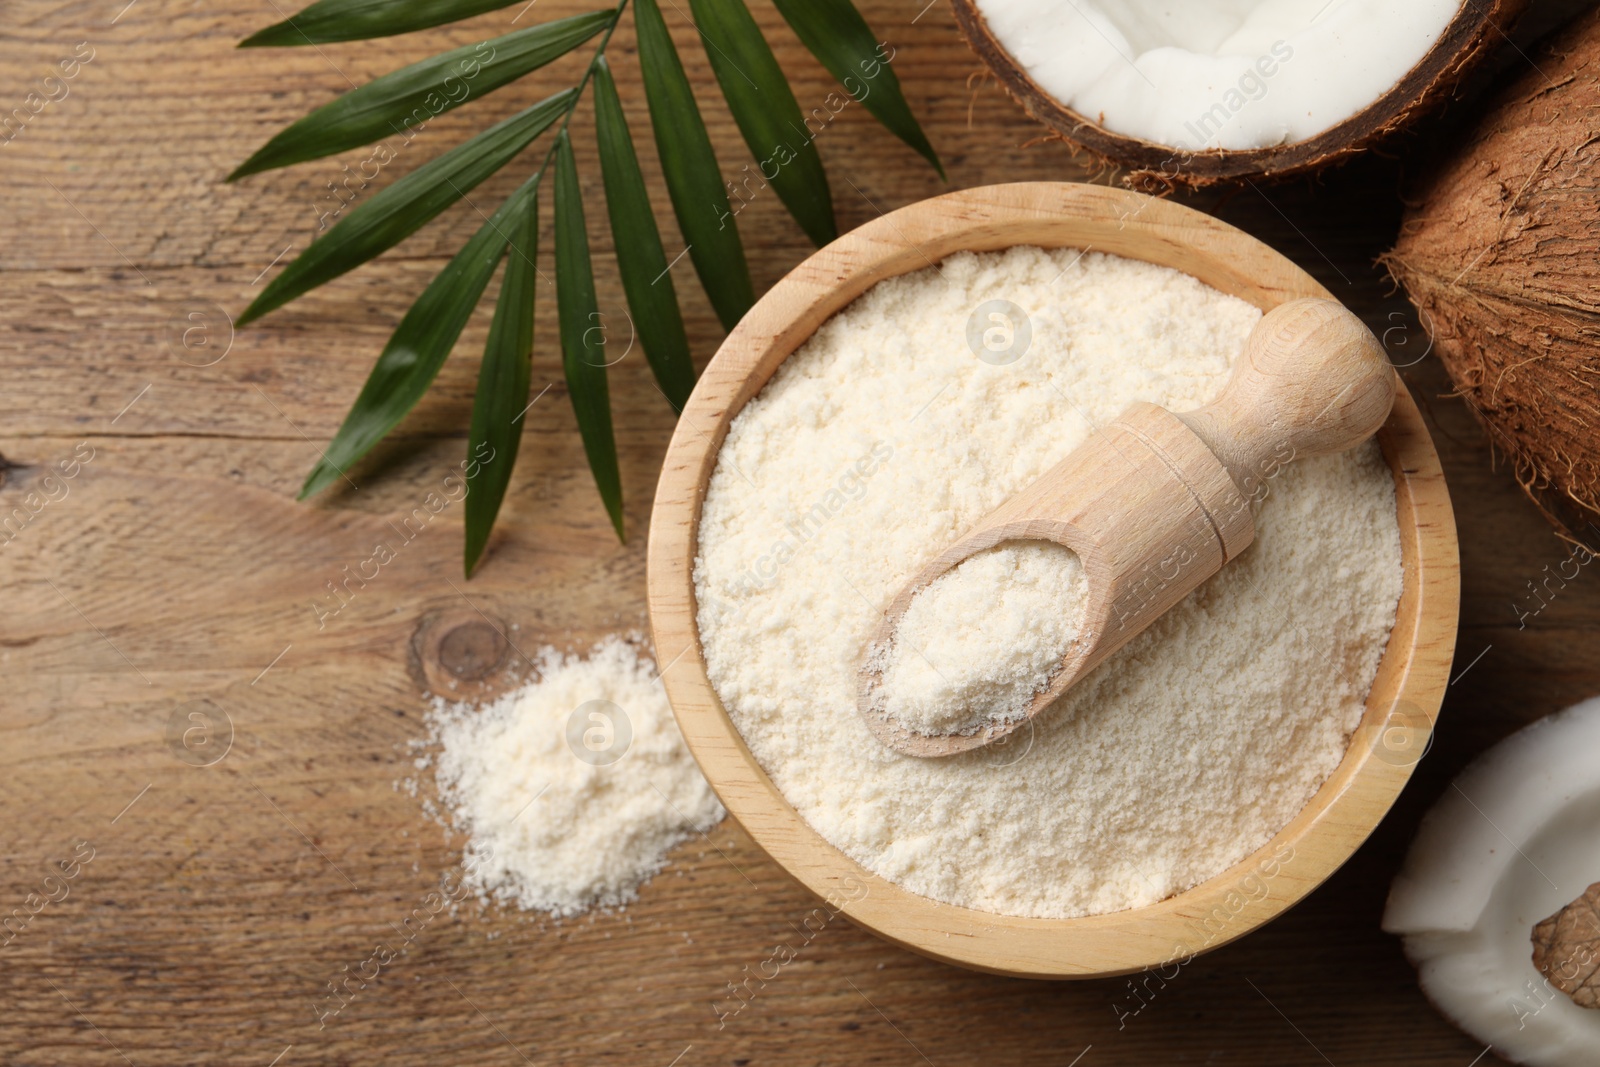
{"x":577,"y":96}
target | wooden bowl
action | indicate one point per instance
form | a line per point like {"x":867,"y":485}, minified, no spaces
{"x":1401,"y":706}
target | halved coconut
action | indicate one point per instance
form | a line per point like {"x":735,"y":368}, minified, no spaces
{"x":1193,"y":92}
{"x":1512,"y":842}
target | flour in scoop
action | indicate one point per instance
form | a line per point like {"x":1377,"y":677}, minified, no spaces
{"x":980,"y":641}
{"x":907,"y":417}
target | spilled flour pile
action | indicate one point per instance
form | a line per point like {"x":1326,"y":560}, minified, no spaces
{"x":979,"y":641}
{"x":573,"y":788}
{"x":1182,"y":753}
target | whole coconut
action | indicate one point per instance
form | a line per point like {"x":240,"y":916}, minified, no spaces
{"x":1501,"y":256}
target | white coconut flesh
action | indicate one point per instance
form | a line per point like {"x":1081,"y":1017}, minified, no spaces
{"x":1205,"y":74}
{"x":1515,"y":839}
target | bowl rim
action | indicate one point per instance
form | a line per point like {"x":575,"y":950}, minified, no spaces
{"x":1401,"y":706}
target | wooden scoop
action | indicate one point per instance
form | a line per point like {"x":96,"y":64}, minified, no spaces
{"x":1155,"y":503}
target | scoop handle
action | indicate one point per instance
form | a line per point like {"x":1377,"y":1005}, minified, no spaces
{"x":1312,"y":380}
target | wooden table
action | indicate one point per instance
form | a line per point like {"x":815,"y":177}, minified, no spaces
{"x":176,"y":573}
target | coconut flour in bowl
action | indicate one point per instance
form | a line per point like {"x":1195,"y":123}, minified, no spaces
{"x":905,"y":419}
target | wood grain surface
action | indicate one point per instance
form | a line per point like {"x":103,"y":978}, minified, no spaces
{"x":175,"y":573}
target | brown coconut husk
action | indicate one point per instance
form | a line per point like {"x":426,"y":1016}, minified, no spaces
{"x":1501,"y":256}
{"x":1476,"y":29}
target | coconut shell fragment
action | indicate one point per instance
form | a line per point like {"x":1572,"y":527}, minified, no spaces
{"x":1501,"y":256}
{"x":1476,"y":29}
{"x":1512,"y":839}
{"x":1566,"y":949}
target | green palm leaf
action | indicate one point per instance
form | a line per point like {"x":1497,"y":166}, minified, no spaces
{"x":418,"y":347}
{"x":416,"y":94}
{"x":502,"y":383}
{"x":690,"y":166}
{"x":767,"y":114}
{"x":327,"y":21}
{"x":762,"y":104}
{"x":835,"y":32}
{"x":399,"y":210}
{"x":652,"y":300}
{"x":583,"y":346}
